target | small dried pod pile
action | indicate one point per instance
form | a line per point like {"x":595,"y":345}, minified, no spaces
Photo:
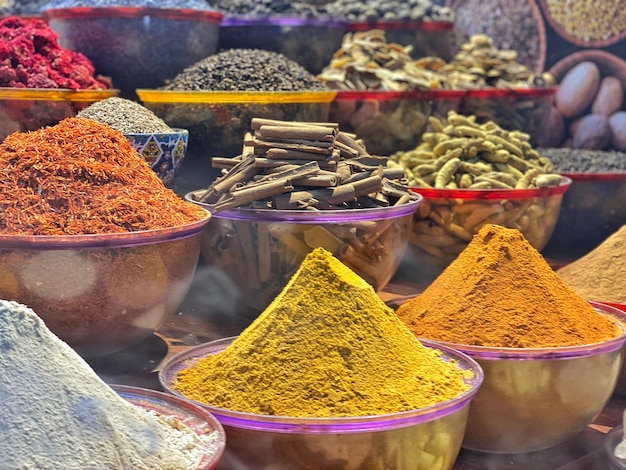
{"x":465,"y":155}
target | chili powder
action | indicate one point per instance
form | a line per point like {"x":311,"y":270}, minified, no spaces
{"x":83,"y":177}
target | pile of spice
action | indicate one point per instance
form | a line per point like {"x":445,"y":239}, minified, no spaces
{"x":83,"y":177}
{"x":569,"y":160}
{"x":500,"y":292}
{"x":245,"y":70}
{"x":127,"y":116}
{"x":327,"y":346}
{"x":600,"y":275}
{"x":516,"y":26}
{"x":367,"y":61}
{"x":57,"y":413}
{"x":31,"y":57}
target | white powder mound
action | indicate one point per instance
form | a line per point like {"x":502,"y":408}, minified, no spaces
{"x":56,"y":413}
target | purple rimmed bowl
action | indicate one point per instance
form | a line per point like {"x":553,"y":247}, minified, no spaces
{"x":101,"y":293}
{"x":210,"y":432}
{"x":535,"y":398}
{"x":423,"y":438}
{"x":258,"y":250}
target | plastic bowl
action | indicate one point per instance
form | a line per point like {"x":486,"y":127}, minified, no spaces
{"x":29,"y":109}
{"x":193,"y":416}
{"x":428,"y":438}
{"x":448,"y":218}
{"x":309,"y":42}
{"x":533,"y":399}
{"x":386,"y":121}
{"x":138,"y":47}
{"x":524,"y":109}
{"x":164,"y":152}
{"x":593,"y":209}
{"x":101,"y":293}
{"x":612,"y":439}
{"x":259,"y":250}
{"x":428,"y":38}
{"x":218,"y":121}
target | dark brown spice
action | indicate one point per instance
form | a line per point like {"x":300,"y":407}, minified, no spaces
{"x":82,"y":177}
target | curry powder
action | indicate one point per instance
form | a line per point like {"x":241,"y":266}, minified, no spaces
{"x":501,"y":292}
{"x":327,"y":346}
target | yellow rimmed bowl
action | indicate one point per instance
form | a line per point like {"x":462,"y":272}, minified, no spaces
{"x":218,"y":120}
{"x":29,"y":109}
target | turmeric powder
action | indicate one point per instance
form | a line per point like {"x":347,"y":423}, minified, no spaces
{"x":327,"y":346}
{"x":500,"y":292}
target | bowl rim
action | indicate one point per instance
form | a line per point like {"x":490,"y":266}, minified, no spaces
{"x":230,"y":21}
{"x":103,"y":240}
{"x":132,"y":12}
{"x":157,"y":401}
{"x":286,"y":424}
{"x":618,"y":176}
{"x":238,"y":97}
{"x":412,"y":25}
{"x":553,"y":353}
{"x":313,"y":217}
{"x":175,"y":131}
{"x":488,"y":193}
{"x":56,"y":94}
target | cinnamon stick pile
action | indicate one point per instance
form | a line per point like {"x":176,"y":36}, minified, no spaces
{"x":304,"y":166}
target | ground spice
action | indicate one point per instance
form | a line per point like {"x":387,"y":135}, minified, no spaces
{"x":82,"y":177}
{"x":500,"y":292}
{"x":31,"y":57}
{"x":57,"y":413}
{"x":327,"y":346}
{"x":600,"y":274}
{"x":126,"y":116}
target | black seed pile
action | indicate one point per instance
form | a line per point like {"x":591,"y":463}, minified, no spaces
{"x":347,"y":10}
{"x":245,"y":70}
{"x":567,"y":160}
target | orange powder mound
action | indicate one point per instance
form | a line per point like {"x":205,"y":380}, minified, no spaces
{"x":500,"y":292}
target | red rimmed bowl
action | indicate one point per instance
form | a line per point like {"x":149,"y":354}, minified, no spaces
{"x":448,"y":219}
{"x":536,"y":398}
{"x":138,"y":47}
{"x":425,"y":438}
{"x":101,"y":293}
{"x":208,"y":429}
{"x":386,"y":121}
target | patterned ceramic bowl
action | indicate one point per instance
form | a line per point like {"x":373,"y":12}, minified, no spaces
{"x":163,"y":151}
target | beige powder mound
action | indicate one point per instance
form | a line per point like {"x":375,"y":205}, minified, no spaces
{"x":600,"y":275}
{"x":58,"y":414}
